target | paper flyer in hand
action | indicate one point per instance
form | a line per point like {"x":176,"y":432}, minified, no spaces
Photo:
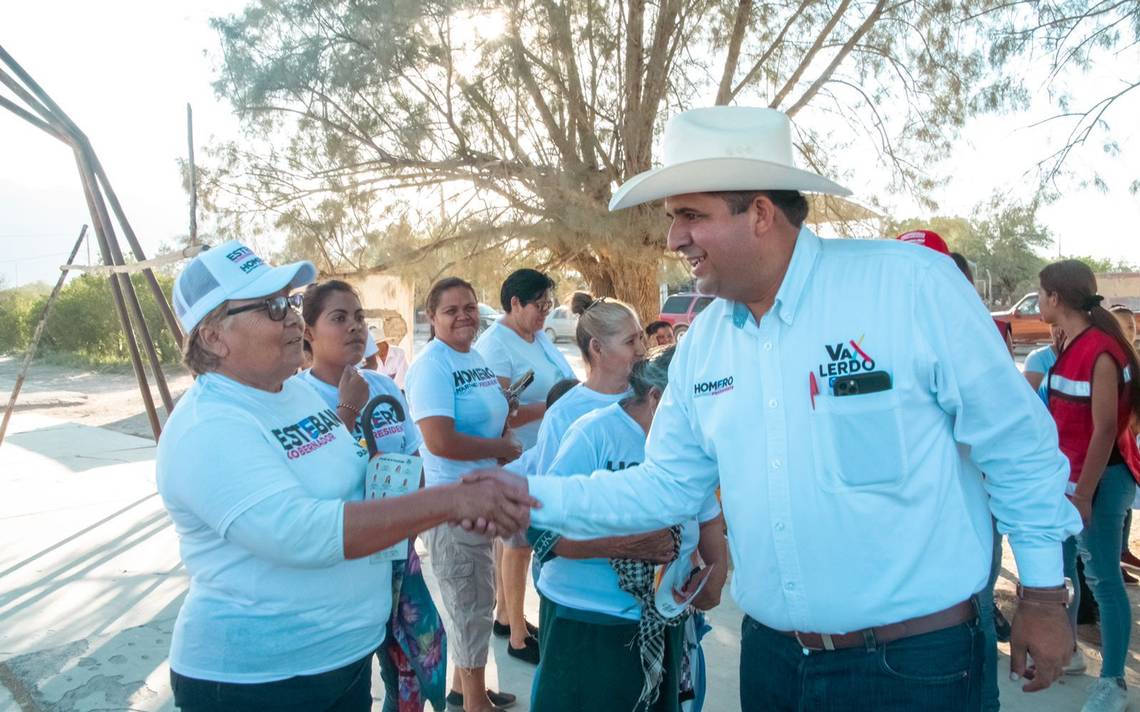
{"x":676,"y":584}
{"x":392,"y":475}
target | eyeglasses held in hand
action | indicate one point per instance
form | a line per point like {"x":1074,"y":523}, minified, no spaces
{"x":277,"y":307}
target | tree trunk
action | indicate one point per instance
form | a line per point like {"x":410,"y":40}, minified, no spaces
{"x":630,"y":276}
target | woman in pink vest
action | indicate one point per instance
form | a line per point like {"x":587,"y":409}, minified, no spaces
{"x":1092,"y":396}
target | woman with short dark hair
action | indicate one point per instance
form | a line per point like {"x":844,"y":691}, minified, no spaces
{"x":512,"y":346}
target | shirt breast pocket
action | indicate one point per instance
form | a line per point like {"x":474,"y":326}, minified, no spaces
{"x":858,"y":441}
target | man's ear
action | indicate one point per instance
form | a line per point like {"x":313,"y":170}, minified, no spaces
{"x":764,"y":214}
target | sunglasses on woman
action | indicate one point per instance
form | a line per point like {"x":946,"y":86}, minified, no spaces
{"x":277,"y":307}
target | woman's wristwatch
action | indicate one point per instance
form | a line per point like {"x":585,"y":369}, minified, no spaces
{"x":1062,"y":594}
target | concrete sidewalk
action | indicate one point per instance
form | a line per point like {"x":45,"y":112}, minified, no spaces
{"x":90,"y":583}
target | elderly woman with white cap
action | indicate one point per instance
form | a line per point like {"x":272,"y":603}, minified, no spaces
{"x":265,"y":487}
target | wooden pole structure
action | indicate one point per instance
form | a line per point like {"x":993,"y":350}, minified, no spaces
{"x":133,"y":303}
{"x":96,"y":185}
{"x":39,"y":332}
{"x":54,"y":114}
{"x":193,"y":176}
{"x":117,"y":297}
{"x":185,"y":253}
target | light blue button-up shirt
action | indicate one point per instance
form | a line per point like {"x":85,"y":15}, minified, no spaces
{"x":845,"y":512}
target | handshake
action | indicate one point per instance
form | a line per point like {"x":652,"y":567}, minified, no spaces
{"x":493,"y":502}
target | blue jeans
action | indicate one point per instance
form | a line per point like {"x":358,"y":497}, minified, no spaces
{"x":346,"y":689}
{"x":990,"y":702}
{"x":1099,"y":549}
{"x":931,"y":672}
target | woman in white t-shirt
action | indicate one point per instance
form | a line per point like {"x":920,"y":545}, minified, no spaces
{"x":265,"y":488}
{"x":603,"y":637}
{"x":460,"y":408}
{"x":610,"y":338}
{"x":512,"y":346}
{"x":336,"y":333}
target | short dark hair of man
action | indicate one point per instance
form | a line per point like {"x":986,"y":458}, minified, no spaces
{"x":559,"y":389}
{"x":963,"y":264}
{"x":654,"y":326}
{"x":791,"y":203}
{"x":526,"y":284}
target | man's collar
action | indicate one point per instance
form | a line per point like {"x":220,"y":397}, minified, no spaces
{"x":804,"y":256}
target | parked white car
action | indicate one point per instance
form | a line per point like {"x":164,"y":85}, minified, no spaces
{"x":487,"y":315}
{"x":561,"y":324}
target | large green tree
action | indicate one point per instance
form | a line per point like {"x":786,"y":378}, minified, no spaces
{"x":512,"y":125}
{"x":1074,"y":40}
{"x":1003,"y":240}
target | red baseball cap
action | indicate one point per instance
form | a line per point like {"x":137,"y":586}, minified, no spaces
{"x":926,"y":237}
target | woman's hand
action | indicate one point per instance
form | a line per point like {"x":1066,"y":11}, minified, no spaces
{"x":352,"y":389}
{"x":512,"y":448}
{"x":1084,"y":507}
{"x":654,"y":547}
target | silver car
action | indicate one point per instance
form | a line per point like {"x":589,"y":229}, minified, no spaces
{"x":561,"y":324}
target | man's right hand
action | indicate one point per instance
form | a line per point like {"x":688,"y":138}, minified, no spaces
{"x":493,"y":502}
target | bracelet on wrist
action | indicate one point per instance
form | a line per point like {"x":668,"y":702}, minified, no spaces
{"x":346,"y":406}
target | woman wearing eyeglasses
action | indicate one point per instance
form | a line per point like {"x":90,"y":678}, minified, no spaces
{"x":511,"y":347}
{"x":265,"y":487}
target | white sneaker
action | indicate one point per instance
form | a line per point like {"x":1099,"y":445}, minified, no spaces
{"x":1077,"y":665}
{"x":1108,"y":695}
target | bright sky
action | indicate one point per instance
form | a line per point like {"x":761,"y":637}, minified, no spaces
{"x":124,"y":72}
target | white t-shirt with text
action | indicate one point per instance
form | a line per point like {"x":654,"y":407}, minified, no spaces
{"x":255,"y":483}
{"x":510,"y":356}
{"x":392,"y":433}
{"x":460,"y":386}
{"x":606,"y":439}
{"x":575,"y":403}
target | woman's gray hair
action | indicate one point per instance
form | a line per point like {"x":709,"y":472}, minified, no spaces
{"x":597,"y":319}
{"x":195,"y":355}
{"x":652,"y":372}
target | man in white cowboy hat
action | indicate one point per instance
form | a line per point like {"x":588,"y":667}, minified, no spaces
{"x":830,"y":398}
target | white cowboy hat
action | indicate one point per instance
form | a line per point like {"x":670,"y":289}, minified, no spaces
{"x":723,"y":148}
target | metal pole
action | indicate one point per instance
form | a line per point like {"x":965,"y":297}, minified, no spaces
{"x":117,"y":295}
{"x":193,"y":176}
{"x":39,"y":332}
{"x":128,"y":288}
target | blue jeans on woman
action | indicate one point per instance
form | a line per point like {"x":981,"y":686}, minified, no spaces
{"x":933,"y":672}
{"x":1099,"y":549}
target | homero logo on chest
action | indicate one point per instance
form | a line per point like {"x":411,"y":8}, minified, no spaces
{"x":846,"y":358}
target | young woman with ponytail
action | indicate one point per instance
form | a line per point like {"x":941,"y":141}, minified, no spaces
{"x":1093,"y":395}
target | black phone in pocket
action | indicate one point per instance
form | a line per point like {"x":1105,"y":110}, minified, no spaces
{"x":858,"y":384}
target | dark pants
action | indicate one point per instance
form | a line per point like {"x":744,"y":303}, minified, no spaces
{"x":591,"y":663}
{"x":931,"y":672}
{"x":346,"y":689}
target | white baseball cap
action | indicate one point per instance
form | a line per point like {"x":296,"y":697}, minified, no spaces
{"x":231,"y":271}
